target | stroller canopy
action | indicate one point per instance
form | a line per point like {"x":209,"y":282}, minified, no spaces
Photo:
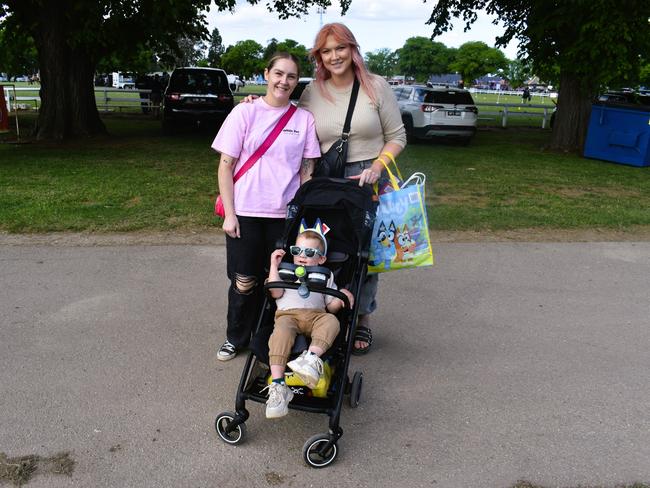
{"x":345,"y":207}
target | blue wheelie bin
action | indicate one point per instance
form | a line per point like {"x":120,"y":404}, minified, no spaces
{"x":620,"y":133}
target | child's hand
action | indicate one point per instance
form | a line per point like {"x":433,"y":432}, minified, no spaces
{"x":276,"y":258}
{"x":349,"y":295}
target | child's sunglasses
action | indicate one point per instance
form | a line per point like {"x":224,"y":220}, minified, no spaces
{"x":309,"y":252}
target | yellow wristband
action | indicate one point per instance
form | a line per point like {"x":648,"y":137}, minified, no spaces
{"x":389,"y":154}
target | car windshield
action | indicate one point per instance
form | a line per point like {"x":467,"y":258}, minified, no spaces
{"x":201,"y":82}
{"x":451,"y":97}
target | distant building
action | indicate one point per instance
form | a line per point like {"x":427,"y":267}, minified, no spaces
{"x":490,"y":82}
{"x":451,"y":79}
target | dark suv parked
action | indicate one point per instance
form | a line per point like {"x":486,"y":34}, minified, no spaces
{"x":196,"y":96}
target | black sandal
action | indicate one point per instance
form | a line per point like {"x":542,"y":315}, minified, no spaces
{"x":363,"y":334}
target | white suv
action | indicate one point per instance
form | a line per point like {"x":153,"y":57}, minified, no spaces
{"x":430,"y":112}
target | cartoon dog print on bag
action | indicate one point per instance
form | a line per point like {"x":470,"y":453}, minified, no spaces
{"x":404,"y":245}
{"x":383,"y":245}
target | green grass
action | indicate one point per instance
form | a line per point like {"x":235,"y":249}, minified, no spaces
{"x":136,"y":179}
{"x":505,"y":180}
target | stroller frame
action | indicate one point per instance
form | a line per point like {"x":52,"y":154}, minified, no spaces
{"x":319,"y":450}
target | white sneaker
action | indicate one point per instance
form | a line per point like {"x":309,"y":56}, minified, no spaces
{"x":278,"y":403}
{"x":308,"y":367}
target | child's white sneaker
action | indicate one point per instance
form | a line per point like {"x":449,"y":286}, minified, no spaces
{"x":278,"y":403}
{"x":309,"y":367}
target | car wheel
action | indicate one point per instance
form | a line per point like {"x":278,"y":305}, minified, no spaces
{"x":408,"y":127}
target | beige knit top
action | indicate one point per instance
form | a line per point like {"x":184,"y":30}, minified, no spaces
{"x":372,"y":124}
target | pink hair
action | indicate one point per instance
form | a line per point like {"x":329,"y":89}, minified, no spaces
{"x":344,"y":35}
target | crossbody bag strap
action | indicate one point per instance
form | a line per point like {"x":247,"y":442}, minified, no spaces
{"x":267,"y":142}
{"x":348,"y":117}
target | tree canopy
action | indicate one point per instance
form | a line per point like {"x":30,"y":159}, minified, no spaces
{"x":298,"y":50}
{"x":476,"y":59}
{"x":382,"y":61}
{"x":517,"y":72}
{"x":244,"y":58}
{"x":582,"y":44}
{"x":421,"y":57}
{"x":72,"y":36}
{"x":17,"y":53}
{"x":216,"y":49}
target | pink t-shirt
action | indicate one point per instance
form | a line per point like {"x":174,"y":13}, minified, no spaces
{"x":267,"y":187}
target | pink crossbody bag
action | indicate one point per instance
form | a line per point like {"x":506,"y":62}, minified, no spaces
{"x":218,"y":204}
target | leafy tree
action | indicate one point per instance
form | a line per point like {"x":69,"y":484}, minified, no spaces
{"x":139,"y":61}
{"x":517,"y":72}
{"x":586,"y":44}
{"x":244,"y":58}
{"x":72,"y":36}
{"x":299,"y":51}
{"x":17,"y":53}
{"x":420,"y":57}
{"x":382,"y":61}
{"x":189,"y":51}
{"x":475,"y":59}
{"x":270,"y":49}
{"x":644,"y":75}
{"x":215,"y":49}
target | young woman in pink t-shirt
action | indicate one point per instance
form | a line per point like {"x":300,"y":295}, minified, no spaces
{"x":255,"y":207}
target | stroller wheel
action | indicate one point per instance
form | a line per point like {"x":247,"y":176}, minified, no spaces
{"x":232,"y":435}
{"x":313,"y":453}
{"x":355,"y":389}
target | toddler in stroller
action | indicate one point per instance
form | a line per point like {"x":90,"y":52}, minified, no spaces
{"x":301,"y":312}
{"x":349,"y":211}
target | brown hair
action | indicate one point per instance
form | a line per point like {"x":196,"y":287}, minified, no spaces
{"x":283,"y":55}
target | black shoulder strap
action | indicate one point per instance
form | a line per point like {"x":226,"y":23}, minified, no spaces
{"x":348,"y":117}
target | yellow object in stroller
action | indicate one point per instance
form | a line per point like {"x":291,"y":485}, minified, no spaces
{"x":299,"y":388}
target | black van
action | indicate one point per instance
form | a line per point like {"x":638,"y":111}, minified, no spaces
{"x":196,"y":96}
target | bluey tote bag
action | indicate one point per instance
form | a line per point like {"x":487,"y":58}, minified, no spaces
{"x":400,"y":237}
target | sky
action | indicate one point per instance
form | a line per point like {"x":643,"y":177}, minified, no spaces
{"x":375,"y":23}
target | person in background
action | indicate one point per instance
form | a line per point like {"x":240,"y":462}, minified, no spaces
{"x":255,"y":207}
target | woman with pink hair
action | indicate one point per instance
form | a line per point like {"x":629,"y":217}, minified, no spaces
{"x":376,"y":130}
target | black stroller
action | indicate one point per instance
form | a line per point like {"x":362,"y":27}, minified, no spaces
{"x":348,"y":210}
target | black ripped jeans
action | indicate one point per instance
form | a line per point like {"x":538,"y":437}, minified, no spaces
{"x":247,"y":264}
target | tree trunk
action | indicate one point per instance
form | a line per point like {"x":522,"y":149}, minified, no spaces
{"x":68,"y":107}
{"x":572,"y":117}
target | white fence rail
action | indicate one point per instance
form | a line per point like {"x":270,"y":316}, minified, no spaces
{"x":107,"y":100}
{"x":517,"y":93}
{"x":26,"y":98}
{"x":516,"y":110}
